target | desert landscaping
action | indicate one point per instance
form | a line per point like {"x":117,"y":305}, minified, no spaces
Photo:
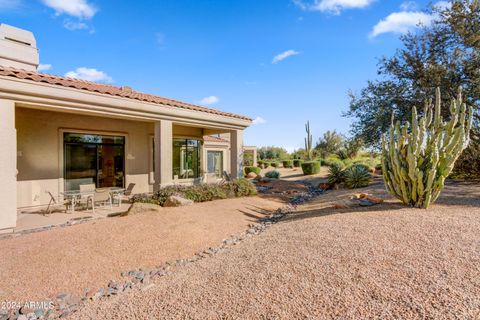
{"x":288,"y":159}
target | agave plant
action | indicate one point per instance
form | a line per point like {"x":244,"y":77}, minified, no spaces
{"x":357,"y":176}
{"x":335,"y":173}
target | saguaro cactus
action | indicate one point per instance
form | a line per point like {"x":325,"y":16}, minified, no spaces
{"x":418,"y":156}
{"x":308,"y":141}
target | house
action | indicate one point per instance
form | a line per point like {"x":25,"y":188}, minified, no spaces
{"x":58,"y":133}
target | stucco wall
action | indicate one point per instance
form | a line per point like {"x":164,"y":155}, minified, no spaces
{"x":40,"y":156}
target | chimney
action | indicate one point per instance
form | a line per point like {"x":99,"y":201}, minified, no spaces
{"x":18,"y":48}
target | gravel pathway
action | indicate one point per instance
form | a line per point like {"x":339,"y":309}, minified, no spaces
{"x":71,"y":259}
{"x":387,"y":262}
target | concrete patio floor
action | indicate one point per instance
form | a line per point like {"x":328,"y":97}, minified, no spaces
{"x":30,"y":221}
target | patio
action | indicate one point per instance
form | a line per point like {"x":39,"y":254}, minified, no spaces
{"x":30,"y":221}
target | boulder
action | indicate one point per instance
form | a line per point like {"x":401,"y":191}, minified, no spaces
{"x":251,"y":175}
{"x":176,"y":201}
{"x":325,"y":186}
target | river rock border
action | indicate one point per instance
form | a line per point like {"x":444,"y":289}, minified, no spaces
{"x":65,"y":304}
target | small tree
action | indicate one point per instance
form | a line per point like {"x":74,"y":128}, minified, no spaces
{"x":329,"y":144}
{"x":417,"y":159}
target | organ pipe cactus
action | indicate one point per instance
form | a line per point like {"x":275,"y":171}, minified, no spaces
{"x":418,"y":156}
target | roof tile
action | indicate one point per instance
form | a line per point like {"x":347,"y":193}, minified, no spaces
{"x":108,"y":90}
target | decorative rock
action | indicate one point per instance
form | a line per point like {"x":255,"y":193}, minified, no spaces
{"x":367,"y":203}
{"x":258,"y":177}
{"x":251,"y":175}
{"x":176,"y":201}
{"x":90,"y":293}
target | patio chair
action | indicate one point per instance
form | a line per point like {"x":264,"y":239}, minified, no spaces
{"x":54,"y":204}
{"x":226,"y":177}
{"x":103,"y":197}
{"x":127,"y":195}
{"x":84,"y":199}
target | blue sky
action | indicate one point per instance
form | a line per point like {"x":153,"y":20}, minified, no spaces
{"x":281,"y":61}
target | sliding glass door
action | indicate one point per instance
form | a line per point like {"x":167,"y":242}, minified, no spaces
{"x":186,"y":158}
{"x":93,"y":159}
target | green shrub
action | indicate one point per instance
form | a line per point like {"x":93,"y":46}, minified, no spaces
{"x":201,"y":193}
{"x":335,"y":173}
{"x":310,"y":167}
{"x":273,"y":174}
{"x":249,"y":169}
{"x":287,"y":163}
{"x":330,"y":162}
{"x":260,"y":163}
{"x":297,"y":163}
{"x":266,"y":164}
{"x":243,"y":188}
{"x":357,"y":176}
{"x":378,"y":167}
{"x":342,"y":154}
{"x":275,"y":164}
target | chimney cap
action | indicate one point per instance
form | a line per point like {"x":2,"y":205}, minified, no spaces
{"x":18,"y":35}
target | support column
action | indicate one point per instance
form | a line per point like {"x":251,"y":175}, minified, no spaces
{"x":8,"y":167}
{"x":163,"y":153}
{"x":255,"y":163}
{"x":236,"y":153}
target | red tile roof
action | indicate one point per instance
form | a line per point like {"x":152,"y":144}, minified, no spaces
{"x":214,"y":139}
{"x":125,"y":92}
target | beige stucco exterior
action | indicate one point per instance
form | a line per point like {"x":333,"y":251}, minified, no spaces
{"x":32,"y":134}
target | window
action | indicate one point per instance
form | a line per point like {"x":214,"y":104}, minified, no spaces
{"x":93,"y":159}
{"x":186,"y":158}
{"x":215,"y":163}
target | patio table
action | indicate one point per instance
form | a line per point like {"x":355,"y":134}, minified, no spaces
{"x":75,"y":195}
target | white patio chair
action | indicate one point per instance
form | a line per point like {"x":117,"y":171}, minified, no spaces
{"x":84,"y":199}
{"x":104,"y":197}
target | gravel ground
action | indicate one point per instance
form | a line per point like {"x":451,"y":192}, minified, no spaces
{"x":71,"y":259}
{"x":387,"y":262}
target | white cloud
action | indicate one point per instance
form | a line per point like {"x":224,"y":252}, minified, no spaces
{"x":258,"y":120}
{"x":44,"y":67}
{"x":281,"y":56}
{"x":76,"y":8}
{"x":9,"y":4}
{"x":401,"y":23}
{"x":407,"y":19}
{"x":209,"y":100}
{"x":408,"y":6}
{"x":89,"y":74}
{"x":76,"y":25}
{"x":332,"y":6}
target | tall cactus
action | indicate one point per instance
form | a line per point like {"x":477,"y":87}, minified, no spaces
{"x":308,"y":141}
{"x":418,"y":156}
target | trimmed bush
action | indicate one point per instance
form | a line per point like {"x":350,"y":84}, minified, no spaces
{"x":357,"y":176}
{"x":249,"y":169}
{"x":266,"y":164}
{"x":201,"y":193}
{"x":310,"y":167}
{"x":273,"y":174}
{"x":335,"y":174}
{"x":260,"y":163}
{"x":331,"y":162}
{"x":297,"y":163}
{"x":287,"y":163}
{"x":275,"y":164}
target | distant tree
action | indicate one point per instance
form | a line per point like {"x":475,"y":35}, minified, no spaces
{"x":353,"y":146}
{"x":329,"y":144}
{"x":272,"y":152}
{"x":444,"y":54}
